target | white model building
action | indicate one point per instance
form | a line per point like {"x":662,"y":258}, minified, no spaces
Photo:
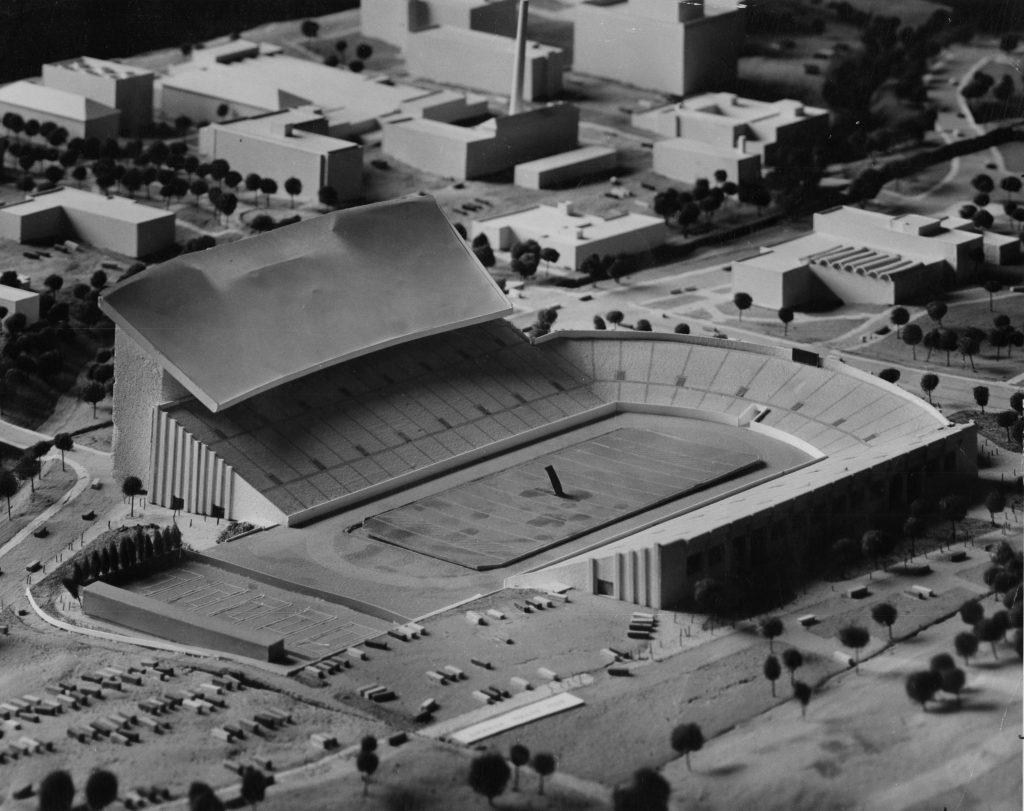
{"x":742,"y":134}
{"x":575,"y":236}
{"x":567,"y":168}
{"x":80,"y":116}
{"x":291,"y":143}
{"x":16,"y":300}
{"x":113,"y":223}
{"x":393,"y":21}
{"x":862,"y":257}
{"x":442,"y":54}
{"x":495,"y":145}
{"x":123,"y":87}
{"x":673,"y":46}
{"x":353,"y":103}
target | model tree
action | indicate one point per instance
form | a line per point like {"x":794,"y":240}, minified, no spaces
{"x":252,"y":183}
{"x":991,"y":631}
{"x":8,"y":487}
{"x":792,"y":659}
{"x":992,"y":287}
{"x":966,"y":645}
{"x":268,"y":187}
{"x":971,"y":612}
{"x":544,"y":764}
{"x":885,"y":614}
{"x":614,"y":317}
{"x":936,"y":311}
{"x":912,"y":336}
{"x":687,"y":738}
{"x":63,"y":442}
{"x":27,"y":468}
{"x":854,"y":637}
{"x":786,"y":317}
{"x":922,"y":685}
{"x":131,"y":487}
{"x":309,"y":28}
{"x":771,"y":627}
{"x":520,"y":756}
{"x":873,"y":544}
{"x":772,"y":671}
{"x":954,"y":510}
{"x":488,"y":775}
{"x":802,"y":693}
{"x":929,"y":382}
{"x":900,"y":317}
{"x":743,"y":301}
{"x":293,"y":186}
{"x":56,"y":791}
{"x":367,"y":762}
{"x":890,"y":375}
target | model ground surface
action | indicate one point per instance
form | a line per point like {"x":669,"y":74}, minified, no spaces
{"x":507,"y":516}
{"x":337,"y":558}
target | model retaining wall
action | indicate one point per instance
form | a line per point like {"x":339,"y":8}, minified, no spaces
{"x":140,"y":613}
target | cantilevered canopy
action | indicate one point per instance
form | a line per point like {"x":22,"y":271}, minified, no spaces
{"x":237,"y":320}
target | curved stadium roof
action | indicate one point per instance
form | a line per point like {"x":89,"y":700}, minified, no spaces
{"x":243,"y":318}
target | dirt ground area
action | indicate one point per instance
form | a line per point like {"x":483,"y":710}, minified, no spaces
{"x":864,"y":744}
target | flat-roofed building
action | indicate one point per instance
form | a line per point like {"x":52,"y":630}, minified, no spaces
{"x":80,"y":116}
{"x":234,"y":50}
{"x":112,"y":223}
{"x":752,"y":127}
{"x":495,"y":145}
{"x":126,"y":88}
{"x":673,"y":46}
{"x":687,"y":160}
{"x":566,"y":168}
{"x":291,"y":143}
{"x":393,"y":21}
{"x":861,"y":257}
{"x":353,"y":103}
{"x":16,"y":300}
{"x":574,"y":235}
{"x":441,"y":54}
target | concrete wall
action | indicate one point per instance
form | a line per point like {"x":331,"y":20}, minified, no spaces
{"x":139,"y":386}
{"x":199,"y":107}
{"x":131,"y":95}
{"x":168,"y":621}
{"x":614,"y":43}
{"x":566,"y":168}
{"x":341,"y":168}
{"x":393,"y":20}
{"x":770,"y":288}
{"x":684,"y":160}
{"x":102,"y":127}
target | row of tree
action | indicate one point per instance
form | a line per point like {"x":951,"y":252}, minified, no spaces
{"x":124,"y":554}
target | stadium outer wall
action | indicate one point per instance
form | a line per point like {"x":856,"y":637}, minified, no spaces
{"x":781,"y":522}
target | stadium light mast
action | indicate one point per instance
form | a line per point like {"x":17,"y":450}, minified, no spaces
{"x":515,"y":102}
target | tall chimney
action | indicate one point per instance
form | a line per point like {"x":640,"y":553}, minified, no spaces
{"x":515,"y":103}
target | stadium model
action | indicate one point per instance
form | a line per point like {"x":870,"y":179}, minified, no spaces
{"x":397,"y":433}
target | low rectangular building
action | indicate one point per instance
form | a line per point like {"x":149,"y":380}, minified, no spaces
{"x":860,"y":257}
{"x":16,"y":300}
{"x":125,"y":88}
{"x":566,"y":167}
{"x":289,"y":144}
{"x":195,"y":629}
{"x":112,"y":223}
{"x":493,"y":146}
{"x":575,"y":236}
{"x":686,"y":160}
{"x":441,"y":54}
{"x":80,"y":116}
{"x":752,"y":127}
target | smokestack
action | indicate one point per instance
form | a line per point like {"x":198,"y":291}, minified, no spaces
{"x":515,"y":103}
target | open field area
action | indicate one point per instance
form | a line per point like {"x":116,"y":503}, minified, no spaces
{"x":960,"y":315}
{"x":504,"y":517}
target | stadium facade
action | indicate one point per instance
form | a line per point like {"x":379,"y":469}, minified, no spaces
{"x":325,"y":365}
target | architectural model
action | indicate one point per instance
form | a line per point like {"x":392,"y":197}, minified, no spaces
{"x":428,"y":403}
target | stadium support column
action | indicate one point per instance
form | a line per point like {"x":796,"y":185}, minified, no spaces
{"x":515,"y":102}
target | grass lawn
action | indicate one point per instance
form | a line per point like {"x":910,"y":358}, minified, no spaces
{"x":973,"y":313}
